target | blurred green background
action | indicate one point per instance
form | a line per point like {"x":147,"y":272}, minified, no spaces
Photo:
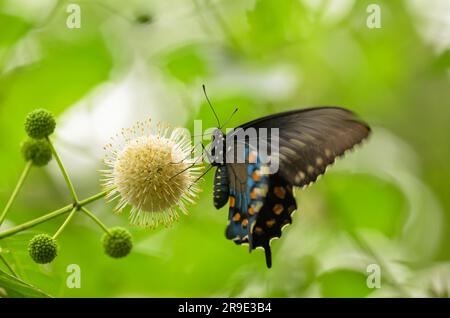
{"x":386,"y":202}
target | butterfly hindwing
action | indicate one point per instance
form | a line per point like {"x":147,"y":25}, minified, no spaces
{"x":279,"y":204}
{"x":248,"y":187}
{"x":260,"y":208}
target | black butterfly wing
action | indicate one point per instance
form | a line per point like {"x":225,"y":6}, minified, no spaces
{"x":311,"y":139}
{"x":279,"y":204}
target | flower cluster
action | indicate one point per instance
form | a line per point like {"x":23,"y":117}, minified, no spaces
{"x":43,"y":248}
{"x":39,"y":124}
{"x":147,"y":169}
{"x":118,"y":242}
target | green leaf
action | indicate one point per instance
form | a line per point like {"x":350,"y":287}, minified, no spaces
{"x":67,"y":71}
{"x":63,"y":76}
{"x":364,"y":201}
{"x":276,"y":23}
{"x":344,"y":283}
{"x":13,"y":28}
{"x":186,"y":63}
{"x":13,"y":287}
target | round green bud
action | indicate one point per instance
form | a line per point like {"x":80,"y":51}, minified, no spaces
{"x":42,"y":248}
{"x":118,"y":242}
{"x":37,"y":150}
{"x":40,"y":123}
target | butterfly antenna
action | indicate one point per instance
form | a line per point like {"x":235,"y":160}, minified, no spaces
{"x":231,"y":116}
{"x":210,"y":105}
{"x":187,"y":168}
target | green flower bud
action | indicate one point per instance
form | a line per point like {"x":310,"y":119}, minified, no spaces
{"x":118,"y":243}
{"x":37,"y":150}
{"x":40,"y":123}
{"x":42,"y":248}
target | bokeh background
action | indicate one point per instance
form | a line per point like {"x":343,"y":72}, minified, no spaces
{"x":386,"y":203}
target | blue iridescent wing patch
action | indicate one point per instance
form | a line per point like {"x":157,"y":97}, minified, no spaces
{"x":248,"y":187}
{"x":260,"y":205}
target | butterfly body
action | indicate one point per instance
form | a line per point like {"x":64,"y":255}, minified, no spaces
{"x":261,"y":201}
{"x":221,"y":186}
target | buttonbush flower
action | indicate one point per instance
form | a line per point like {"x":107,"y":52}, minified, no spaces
{"x":118,"y":243}
{"x":152,"y":172}
{"x":42,"y":248}
{"x":37,"y":150}
{"x":39,"y":123}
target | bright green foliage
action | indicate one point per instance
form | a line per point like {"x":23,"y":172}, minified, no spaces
{"x":13,"y":287}
{"x":263,"y":57}
{"x":344,"y":283}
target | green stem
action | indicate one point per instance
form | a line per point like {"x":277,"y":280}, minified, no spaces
{"x":63,"y":226}
{"x":96,"y":219}
{"x":16,"y":191}
{"x":49,"y":216}
{"x":8,"y":266}
{"x":93,"y":198}
{"x":39,"y":220}
{"x":63,"y":171}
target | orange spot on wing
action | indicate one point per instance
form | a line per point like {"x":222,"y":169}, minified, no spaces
{"x":244,"y":222}
{"x":252,"y":157}
{"x":258,"y":230}
{"x":256,"y":175}
{"x":277,"y":209}
{"x":254,"y":194}
{"x":236,"y":217}
{"x":232,"y":202}
{"x":270,"y":223}
{"x":251,"y":210}
{"x":280,"y":192}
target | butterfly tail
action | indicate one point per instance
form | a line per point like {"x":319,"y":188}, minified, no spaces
{"x":268,"y":253}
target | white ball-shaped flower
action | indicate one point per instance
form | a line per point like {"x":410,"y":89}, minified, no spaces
{"x":152,"y":172}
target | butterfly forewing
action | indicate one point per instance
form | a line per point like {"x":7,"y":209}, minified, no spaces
{"x":311,"y":139}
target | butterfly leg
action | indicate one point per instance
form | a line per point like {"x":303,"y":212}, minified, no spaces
{"x":201,"y":176}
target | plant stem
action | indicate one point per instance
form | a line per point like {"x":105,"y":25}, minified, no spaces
{"x":93,"y":198}
{"x":63,"y":171}
{"x":16,"y":191}
{"x":96,"y":219}
{"x":50,"y":215}
{"x":39,"y":220}
{"x":8,"y":266}
{"x":62,"y":227}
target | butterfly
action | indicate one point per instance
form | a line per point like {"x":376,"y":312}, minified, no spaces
{"x":261,"y":202}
